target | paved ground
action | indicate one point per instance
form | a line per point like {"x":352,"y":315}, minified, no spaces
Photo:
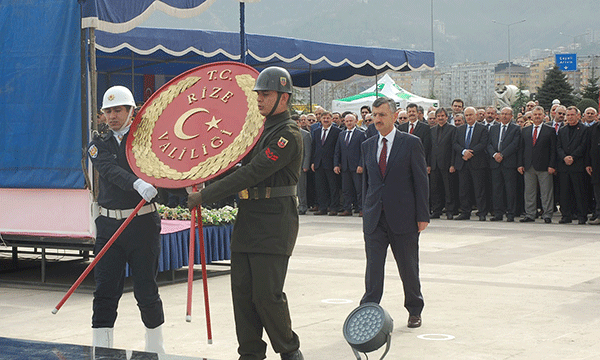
{"x":492,"y":291}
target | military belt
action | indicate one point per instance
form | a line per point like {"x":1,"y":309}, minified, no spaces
{"x":123,"y":214}
{"x":257,"y":193}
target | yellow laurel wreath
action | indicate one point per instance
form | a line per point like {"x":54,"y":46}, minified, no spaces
{"x":147,"y":161}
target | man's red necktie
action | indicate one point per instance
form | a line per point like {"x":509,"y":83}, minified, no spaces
{"x":412,"y":128}
{"x":534,"y":135}
{"x":383,"y":157}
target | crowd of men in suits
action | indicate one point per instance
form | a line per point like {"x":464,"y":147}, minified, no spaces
{"x":485,"y":160}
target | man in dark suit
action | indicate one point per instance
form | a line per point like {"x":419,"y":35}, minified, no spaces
{"x":457,"y":108}
{"x":490,"y":117}
{"x":571,"y":150}
{"x":593,"y":167}
{"x":346,"y":160}
{"x":394,"y":215}
{"x":419,"y":129}
{"x":371,"y":129}
{"x":489,"y":120}
{"x":302,"y":180}
{"x":442,"y":136}
{"x":503,"y":149}
{"x":470,"y":160}
{"x":538,"y":165}
{"x":323,"y":149}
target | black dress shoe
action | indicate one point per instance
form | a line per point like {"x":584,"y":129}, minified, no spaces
{"x":510,"y":219}
{"x":345,"y":213}
{"x":333,"y":213}
{"x":496,"y":218}
{"x":294,"y":355}
{"x":582,"y":221}
{"x":526,"y":219}
{"x":548,"y":221}
{"x":435,"y":216}
{"x":320,"y":213}
{"x":482,"y":218}
{"x":414,"y":321}
{"x":462,"y":217}
{"x":449,"y":216}
{"x":564,"y":221}
{"x":303,"y":212}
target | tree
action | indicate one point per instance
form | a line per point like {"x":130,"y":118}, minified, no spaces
{"x":555,"y":86}
{"x":591,"y":90}
{"x":586,"y":103}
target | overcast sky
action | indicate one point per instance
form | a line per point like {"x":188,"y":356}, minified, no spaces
{"x":470,"y":33}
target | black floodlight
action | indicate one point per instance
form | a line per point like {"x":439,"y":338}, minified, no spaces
{"x":367,"y":328}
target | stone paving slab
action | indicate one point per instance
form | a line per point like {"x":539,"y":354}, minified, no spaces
{"x":492,"y":291}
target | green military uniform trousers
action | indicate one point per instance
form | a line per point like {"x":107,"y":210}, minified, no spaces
{"x":257,"y":289}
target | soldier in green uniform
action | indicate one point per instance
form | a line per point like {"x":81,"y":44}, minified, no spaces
{"x":266,"y":228}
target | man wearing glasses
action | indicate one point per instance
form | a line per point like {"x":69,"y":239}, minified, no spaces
{"x":402,"y":117}
{"x":558,"y":121}
{"x":442,"y":136}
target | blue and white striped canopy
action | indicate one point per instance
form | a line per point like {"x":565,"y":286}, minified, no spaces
{"x":118,"y":16}
{"x":170,"y":52}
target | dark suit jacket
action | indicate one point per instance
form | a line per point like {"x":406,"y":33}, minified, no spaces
{"x":561,"y":125}
{"x":511,"y":139}
{"x":306,"y":148}
{"x":543,"y":154}
{"x":423,"y":132}
{"x":593,"y":158}
{"x":348,"y":156}
{"x":371,"y":130}
{"x":479,"y":141}
{"x":404,"y":189}
{"x":441,"y":149}
{"x":575,"y":146}
{"x":484,"y":123}
{"x":322,"y":155}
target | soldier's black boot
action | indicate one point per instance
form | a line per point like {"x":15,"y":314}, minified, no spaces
{"x":294,"y":355}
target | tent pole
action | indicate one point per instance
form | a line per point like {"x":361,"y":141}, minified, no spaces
{"x":242,"y":33}
{"x":376,"y":87}
{"x":132,"y":75}
{"x":84,"y":115}
{"x":93,"y":77}
{"x":310,"y":86}
{"x":94,"y":100}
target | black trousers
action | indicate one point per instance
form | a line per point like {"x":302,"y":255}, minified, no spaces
{"x":327,"y":189}
{"x":504,"y":194}
{"x":138,"y":246}
{"x":260,"y":303}
{"x":572,"y":195}
{"x":441,"y":191}
{"x":472,"y":180}
{"x":405,"y":248}
{"x":352,"y":190}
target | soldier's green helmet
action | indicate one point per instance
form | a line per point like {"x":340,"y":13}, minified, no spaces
{"x":274,"y":78}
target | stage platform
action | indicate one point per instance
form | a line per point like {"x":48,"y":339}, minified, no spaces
{"x":17,"y":349}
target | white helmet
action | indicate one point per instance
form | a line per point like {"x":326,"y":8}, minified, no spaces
{"x":555,"y":102}
{"x":117,"y":95}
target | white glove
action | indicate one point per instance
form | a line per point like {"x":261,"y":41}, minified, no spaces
{"x":147,"y":191}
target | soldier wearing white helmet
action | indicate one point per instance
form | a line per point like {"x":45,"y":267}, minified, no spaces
{"x":139,"y":244}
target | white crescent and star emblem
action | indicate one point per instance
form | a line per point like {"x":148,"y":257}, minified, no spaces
{"x":178,"y":127}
